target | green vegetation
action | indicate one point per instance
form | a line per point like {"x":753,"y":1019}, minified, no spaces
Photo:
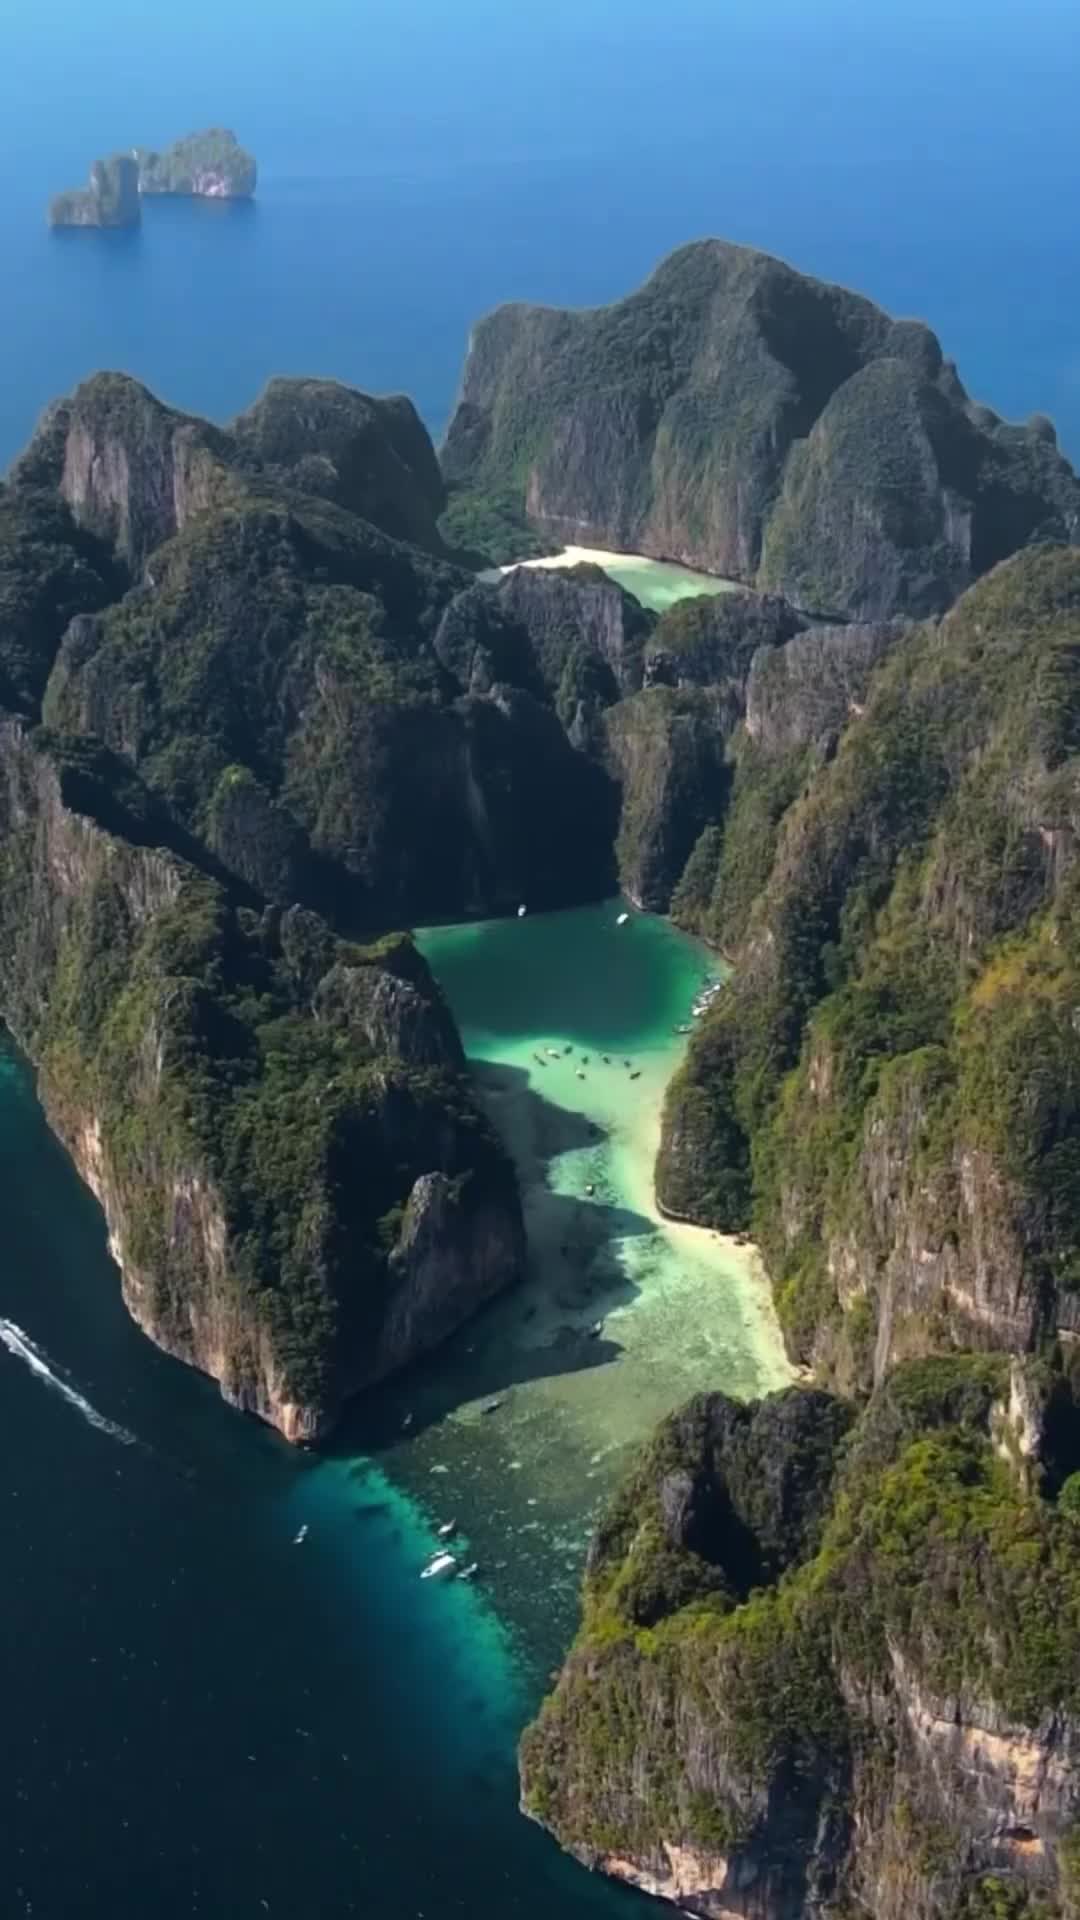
{"x":177,"y":1026}
{"x":49,"y":571}
{"x":902,"y":1002}
{"x":762,"y":425}
{"x":732,"y":1721}
{"x":277,"y":682}
{"x":211,"y":163}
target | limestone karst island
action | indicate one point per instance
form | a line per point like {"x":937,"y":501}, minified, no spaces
{"x":207,"y":166}
{"x":277,"y":693}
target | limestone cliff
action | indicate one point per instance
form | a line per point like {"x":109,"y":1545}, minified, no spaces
{"x":274,"y":672}
{"x":828,"y":1670}
{"x":132,"y":471}
{"x":299,"y":1192}
{"x":888,"y":1086}
{"x":744,"y":418}
{"x":110,"y":200}
{"x":211,"y":166}
{"x":373,"y":456}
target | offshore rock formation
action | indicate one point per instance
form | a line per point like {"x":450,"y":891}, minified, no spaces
{"x":210,"y":166}
{"x":111,"y":199}
{"x":299,"y":1192}
{"x":888,"y":1086}
{"x":827,"y":1669}
{"x":741,"y":417}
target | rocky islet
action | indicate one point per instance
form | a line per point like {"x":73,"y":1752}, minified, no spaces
{"x":204,"y":166}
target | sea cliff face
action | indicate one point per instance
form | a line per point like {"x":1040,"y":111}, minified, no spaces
{"x":275,"y":672}
{"x":218,"y":1075}
{"x":110,"y":200}
{"x":211,"y":165}
{"x":816,"y":1674}
{"x":738,"y":416}
{"x":887,"y":1085}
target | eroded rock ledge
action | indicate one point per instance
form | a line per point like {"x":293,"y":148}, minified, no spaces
{"x":832,"y":1665}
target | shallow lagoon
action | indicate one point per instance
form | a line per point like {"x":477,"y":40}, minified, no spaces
{"x":623,"y":1314}
{"x":203,"y":1717}
{"x":658,"y":584}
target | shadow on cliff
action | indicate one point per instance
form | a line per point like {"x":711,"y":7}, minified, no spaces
{"x":550,"y":1324}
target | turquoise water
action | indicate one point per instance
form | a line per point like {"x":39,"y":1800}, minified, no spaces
{"x":623,"y":1315}
{"x":658,"y":584}
{"x":422,"y":161}
{"x":202,"y":1717}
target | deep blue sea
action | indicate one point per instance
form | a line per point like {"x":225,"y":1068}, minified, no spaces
{"x":200,"y":1719}
{"x":423,"y":159}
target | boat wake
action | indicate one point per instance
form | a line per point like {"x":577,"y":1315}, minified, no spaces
{"x":20,"y":1344}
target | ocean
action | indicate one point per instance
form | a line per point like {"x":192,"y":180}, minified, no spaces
{"x":203,"y":1717}
{"x":200,"y":1717}
{"x":421,"y":161}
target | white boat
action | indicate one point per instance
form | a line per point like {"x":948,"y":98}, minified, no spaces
{"x":301,"y":1536}
{"x":470,"y":1572}
{"x":448,"y":1527}
{"x":622,"y":919}
{"x":439,"y":1563}
{"x":522,"y":911}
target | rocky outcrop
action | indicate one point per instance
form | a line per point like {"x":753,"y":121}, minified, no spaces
{"x":276,"y":675}
{"x":887,"y":1084}
{"x":865,"y":1718}
{"x":298,"y":1190}
{"x":666,"y":750}
{"x":372,"y":456}
{"x":743,"y":418}
{"x":803,"y":694}
{"x":111,"y":200}
{"x":132,"y":472}
{"x":211,"y":165}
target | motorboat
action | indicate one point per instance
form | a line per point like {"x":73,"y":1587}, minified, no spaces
{"x":622,"y":919}
{"x":448,"y":1527}
{"x":439,"y":1564}
{"x":470,"y":1572}
{"x":301,"y":1535}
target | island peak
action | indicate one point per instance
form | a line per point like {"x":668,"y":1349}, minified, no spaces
{"x":211,"y":165}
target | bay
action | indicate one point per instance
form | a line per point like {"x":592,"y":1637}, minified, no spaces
{"x":202,"y":1717}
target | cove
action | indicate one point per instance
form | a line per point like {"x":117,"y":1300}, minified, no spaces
{"x":521,"y":1425}
{"x":218,"y":1721}
{"x":658,"y":584}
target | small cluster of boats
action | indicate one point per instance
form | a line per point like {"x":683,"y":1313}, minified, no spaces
{"x":443,"y":1564}
{"x":701,"y":1005}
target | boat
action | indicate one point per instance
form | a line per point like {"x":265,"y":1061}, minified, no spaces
{"x":470,"y":1572}
{"x":491,"y":1406}
{"x":622,"y":919}
{"x":590,"y":1190}
{"x":301,"y":1536}
{"x":439,"y":1563}
{"x":636,"y":1075}
{"x":448,"y":1527}
{"x":553,"y":1053}
{"x":522,"y":911}
{"x":407,"y":1422}
{"x":580,"y":1075}
{"x":596,"y":1330}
